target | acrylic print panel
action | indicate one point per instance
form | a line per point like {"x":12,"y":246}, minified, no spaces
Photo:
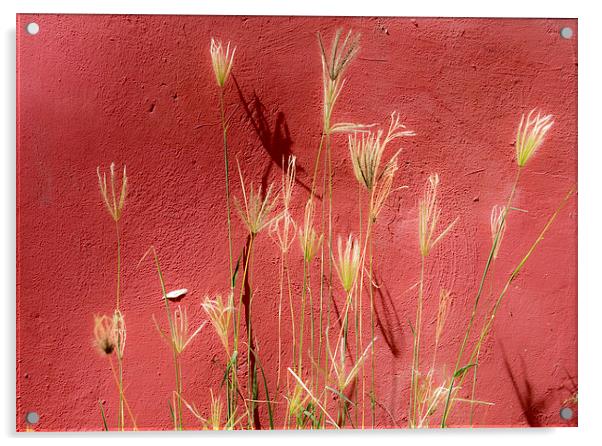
{"x":324,"y":223}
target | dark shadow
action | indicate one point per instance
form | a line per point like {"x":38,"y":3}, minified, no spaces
{"x":346,"y":415}
{"x":531,"y":406}
{"x":247,"y":299}
{"x":339,"y":320}
{"x":390,"y":327}
{"x":386,"y":317}
{"x":275,"y":139}
{"x":570,"y":390}
{"x":572,"y":387}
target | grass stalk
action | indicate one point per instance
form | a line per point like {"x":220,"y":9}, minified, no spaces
{"x":493,"y":312}
{"x":372,"y":334}
{"x":227,"y":172}
{"x":178,"y":405}
{"x":280,"y":298}
{"x":314,"y":373}
{"x":476,"y":301}
{"x":416,"y":347}
{"x":360,"y":305}
{"x":302,"y":320}
{"x":121,"y":391}
{"x":121,"y":414}
{"x":240,"y":306}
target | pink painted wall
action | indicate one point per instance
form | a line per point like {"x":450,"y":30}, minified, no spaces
{"x":139,"y":90}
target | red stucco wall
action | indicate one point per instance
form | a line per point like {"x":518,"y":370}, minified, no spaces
{"x":139,"y":90}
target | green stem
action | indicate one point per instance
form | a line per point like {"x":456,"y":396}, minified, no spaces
{"x":119,"y":358}
{"x":177,"y":410}
{"x":372,"y":333}
{"x":118,"y":290}
{"x":416,"y":347}
{"x":330,"y":252}
{"x":302,"y":322}
{"x":292,"y":309}
{"x":314,"y":376}
{"x":231,"y":384}
{"x":490,"y":319}
{"x":227,"y":170}
{"x":121,"y":421}
{"x":280,"y":320}
{"x":317,"y":163}
{"x":251,"y":372}
{"x":477,"y":299}
{"x":325,"y":177}
{"x":179,"y":390}
{"x":476,"y":363}
{"x":240,"y":308}
{"x":361,"y":305}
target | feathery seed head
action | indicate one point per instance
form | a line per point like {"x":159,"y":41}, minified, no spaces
{"x":215,"y":413}
{"x":119,"y":327}
{"x":181,"y":336}
{"x":367,"y":151}
{"x":347,"y":264}
{"x":343,"y":375}
{"x":498,"y":227}
{"x":288,"y":181}
{"x":221,"y":59}
{"x":255,"y":209}
{"x":429,"y":213}
{"x":105,"y":336}
{"x":350,"y":127}
{"x":283,"y":227}
{"x":297,"y":400}
{"x":333,"y":68}
{"x":113,"y":203}
{"x":384,"y":186}
{"x":220,"y":315}
{"x":308,"y":238}
{"x":341,"y":54}
{"x":530,"y":135}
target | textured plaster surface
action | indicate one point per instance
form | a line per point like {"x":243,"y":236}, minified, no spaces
{"x":140,"y":90}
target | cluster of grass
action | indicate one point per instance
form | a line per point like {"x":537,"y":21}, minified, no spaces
{"x":330,"y":381}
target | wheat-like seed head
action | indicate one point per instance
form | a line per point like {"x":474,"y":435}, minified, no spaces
{"x":350,"y":127}
{"x":255,"y":210}
{"x":428,"y":217}
{"x":222,"y":60}
{"x":498,"y":227}
{"x":105,"y":336}
{"x":530,"y":135}
{"x":215,"y":413}
{"x":384,"y":186}
{"x":113,"y":203}
{"x":283,"y":227}
{"x":297,"y":400}
{"x":431,"y":399}
{"x":366,"y":150}
{"x":120,"y":332}
{"x":283,"y":230}
{"x":308,"y":238}
{"x":343,"y":375}
{"x":181,"y":336}
{"x":341,"y":53}
{"x":333,"y":68}
{"x":288,"y":181}
{"x":347,"y":263}
{"x":220,"y":315}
